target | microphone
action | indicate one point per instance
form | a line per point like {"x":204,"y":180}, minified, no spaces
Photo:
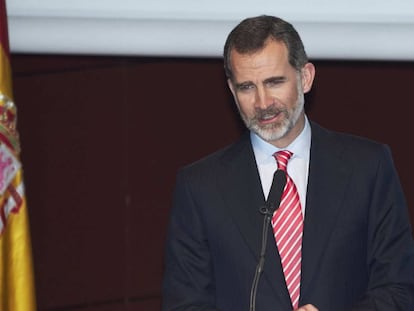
{"x":272,"y":203}
{"x":275,"y":194}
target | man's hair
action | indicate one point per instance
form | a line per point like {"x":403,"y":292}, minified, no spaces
{"x":251,"y":35}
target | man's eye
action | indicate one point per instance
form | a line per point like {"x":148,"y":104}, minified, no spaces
{"x":245,"y":87}
{"x":274,"y":82}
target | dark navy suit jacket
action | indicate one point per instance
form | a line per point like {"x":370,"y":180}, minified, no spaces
{"x":358,"y":251}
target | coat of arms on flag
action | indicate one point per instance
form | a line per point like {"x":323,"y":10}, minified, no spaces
{"x":9,"y":166}
{"x":10,"y":194}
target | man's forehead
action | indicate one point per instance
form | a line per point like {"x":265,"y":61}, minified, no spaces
{"x":270,"y":58}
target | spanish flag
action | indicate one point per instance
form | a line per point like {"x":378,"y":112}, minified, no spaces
{"x":16,"y":271}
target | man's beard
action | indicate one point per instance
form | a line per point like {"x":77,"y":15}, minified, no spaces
{"x":277,"y":130}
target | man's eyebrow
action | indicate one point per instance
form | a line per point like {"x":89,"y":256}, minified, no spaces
{"x":275,"y":79}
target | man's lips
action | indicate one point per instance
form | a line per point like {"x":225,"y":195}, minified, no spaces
{"x":269,"y":117}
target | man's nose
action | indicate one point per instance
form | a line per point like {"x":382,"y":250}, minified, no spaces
{"x":263,"y":99}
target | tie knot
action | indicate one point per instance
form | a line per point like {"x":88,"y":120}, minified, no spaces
{"x":282,"y":157}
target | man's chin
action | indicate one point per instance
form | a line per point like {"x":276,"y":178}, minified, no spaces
{"x":270,"y":135}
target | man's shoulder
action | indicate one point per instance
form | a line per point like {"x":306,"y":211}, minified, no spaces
{"x":231,"y":153}
{"x":344,"y":138}
{"x":348,"y":145}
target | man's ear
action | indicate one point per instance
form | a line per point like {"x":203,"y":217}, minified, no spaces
{"x":308,"y":75}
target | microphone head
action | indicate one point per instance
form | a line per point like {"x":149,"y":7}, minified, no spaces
{"x":276,"y":191}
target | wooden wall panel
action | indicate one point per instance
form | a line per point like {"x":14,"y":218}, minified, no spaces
{"x":103,"y":137}
{"x":73,"y":149}
{"x":171,"y":106}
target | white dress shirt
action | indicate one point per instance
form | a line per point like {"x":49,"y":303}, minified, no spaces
{"x":298,"y":165}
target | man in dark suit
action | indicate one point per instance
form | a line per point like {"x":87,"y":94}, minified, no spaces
{"x":354,"y":245}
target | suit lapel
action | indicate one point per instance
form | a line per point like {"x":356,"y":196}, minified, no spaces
{"x":326,"y":188}
{"x":242,"y":192}
{"x":243,"y":195}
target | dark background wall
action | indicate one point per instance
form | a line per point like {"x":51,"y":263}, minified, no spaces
{"x":102,"y":138}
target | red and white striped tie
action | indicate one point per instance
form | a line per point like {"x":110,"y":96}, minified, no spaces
{"x":287,"y":225}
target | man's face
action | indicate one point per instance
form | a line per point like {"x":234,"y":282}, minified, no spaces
{"x":269,"y":92}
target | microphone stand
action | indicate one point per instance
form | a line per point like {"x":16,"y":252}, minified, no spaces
{"x":272,"y":203}
{"x":259,"y":268}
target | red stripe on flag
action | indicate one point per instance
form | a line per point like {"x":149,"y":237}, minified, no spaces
{"x":4,"y":33}
{"x":5,"y":140}
{"x":3,"y":214}
{"x":17,"y":198}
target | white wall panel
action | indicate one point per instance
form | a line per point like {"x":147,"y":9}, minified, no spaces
{"x":354,"y":29}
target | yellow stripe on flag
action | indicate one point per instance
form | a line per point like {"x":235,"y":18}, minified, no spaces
{"x":17,"y":291}
{"x":5,"y":84}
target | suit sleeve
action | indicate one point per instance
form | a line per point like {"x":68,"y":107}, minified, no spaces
{"x":390,"y":245}
{"x":188,"y":277}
